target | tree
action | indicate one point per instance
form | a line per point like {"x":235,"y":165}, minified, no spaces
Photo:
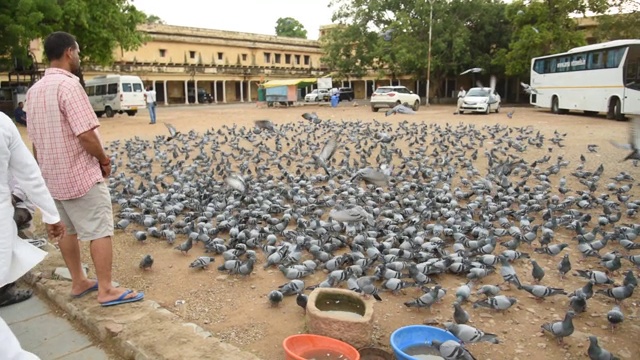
{"x":100,"y":26}
{"x":290,"y":27}
{"x":622,"y":22}
{"x":154,"y":19}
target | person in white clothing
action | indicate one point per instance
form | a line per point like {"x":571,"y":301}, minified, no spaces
{"x":461,"y":95}
{"x":17,"y":256}
{"x":150,"y":97}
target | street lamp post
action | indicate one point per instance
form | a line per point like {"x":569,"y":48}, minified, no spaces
{"x":429,"y":56}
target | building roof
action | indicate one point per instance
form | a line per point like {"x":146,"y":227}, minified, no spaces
{"x":289,"y":82}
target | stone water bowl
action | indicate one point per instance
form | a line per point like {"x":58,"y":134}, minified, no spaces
{"x":342,"y":314}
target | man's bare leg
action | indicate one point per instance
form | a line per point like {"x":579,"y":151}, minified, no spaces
{"x":70,"y":249}
{"x":102,"y":255}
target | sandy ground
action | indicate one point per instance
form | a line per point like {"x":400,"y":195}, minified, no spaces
{"x":236,"y":310}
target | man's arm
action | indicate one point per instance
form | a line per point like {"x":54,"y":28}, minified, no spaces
{"x":91,"y":143}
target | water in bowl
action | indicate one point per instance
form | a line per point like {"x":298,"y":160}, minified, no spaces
{"x":423,"y":352}
{"x":343,"y":314}
{"x":324,"y":354}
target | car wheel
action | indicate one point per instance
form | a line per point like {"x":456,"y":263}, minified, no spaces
{"x":416,"y":105}
{"x":498,"y":108}
{"x":374,"y":109}
{"x":109,"y":112}
{"x":461,"y":111}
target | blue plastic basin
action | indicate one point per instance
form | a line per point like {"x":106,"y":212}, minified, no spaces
{"x":411,"y":335}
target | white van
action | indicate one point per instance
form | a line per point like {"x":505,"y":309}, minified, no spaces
{"x":110,"y":94}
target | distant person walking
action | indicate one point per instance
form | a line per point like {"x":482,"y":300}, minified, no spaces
{"x":150,"y":97}
{"x":67,"y":145}
{"x":20,"y":115}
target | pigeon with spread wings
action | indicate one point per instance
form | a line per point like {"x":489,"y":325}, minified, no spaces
{"x":172,"y":131}
{"x":326,"y":154}
{"x":634,"y":140}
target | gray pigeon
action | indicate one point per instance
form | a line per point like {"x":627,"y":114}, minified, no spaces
{"x":140,"y":235}
{"x":629,"y":278}
{"x":499,"y":302}
{"x":474,"y":70}
{"x":468,"y":334}
{"x":172,"y":131}
{"x":185,"y":246}
{"x":367,"y":286}
{"x":564,"y":266}
{"x":354,"y":214}
{"x":541,"y":292}
{"x":275,"y":297}
{"x":615,"y":317}
{"x":202,"y":262}
{"x":598,"y":277}
{"x":399,"y":109}
{"x":460,"y":316}
{"x":618,"y":293}
{"x":488,"y":290}
{"x":596,"y":352}
{"x":265,"y":124}
{"x":634,"y":140}
{"x":301,"y":300}
{"x":146,"y":262}
{"x":326,"y":154}
{"x":586,"y":290}
{"x":578,"y":303}
{"x":372,"y":176}
{"x":552,"y":250}
{"x":537,"y":272}
{"x":426,"y":300}
{"x":463,"y":292}
{"x":560,"y":329}
{"x":313,"y":117}
{"x":236,"y":182}
{"x":509,"y":273}
{"x":452,"y":350}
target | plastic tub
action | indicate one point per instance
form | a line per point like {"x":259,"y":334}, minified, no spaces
{"x":412,"y":335}
{"x":296,"y":347}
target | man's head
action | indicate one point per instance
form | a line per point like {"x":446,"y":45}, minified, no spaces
{"x":20,"y":104}
{"x":63,"y":51}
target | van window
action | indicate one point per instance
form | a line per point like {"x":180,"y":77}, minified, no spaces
{"x":101,"y":90}
{"x":112,"y":89}
{"x":90,"y":90}
{"x":126,"y":87}
{"x":137,"y":87}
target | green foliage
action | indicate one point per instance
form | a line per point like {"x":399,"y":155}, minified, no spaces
{"x":154,"y":19}
{"x":290,"y":27}
{"x":100,"y":26}
{"x":616,"y":27}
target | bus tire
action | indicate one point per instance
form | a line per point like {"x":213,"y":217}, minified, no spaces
{"x":109,"y":112}
{"x":555,"y":107}
{"x":615,"y":109}
{"x":99,"y":113}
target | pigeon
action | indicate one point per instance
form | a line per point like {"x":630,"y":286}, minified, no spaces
{"x":499,"y":302}
{"x":489,"y":290}
{"x":302,"y":300}
{"x":595,"y":352}
{"x":537,"y":272}
{"x":552,"y":250}
{"x":266,"y":125}
{"x":592,"y":148}
{"x":586,"y":290}
{"x":372,"y":176}
{"x":236,"y":182}
{"x":400,"y":109}
{"x":146,"y":262}
{"x":354,"y":214}
{"x":510,"y":113}
{"x":618,"y":293}
{"x":426,"y":300}
{"x":463,"y":292}
{"x":312,"y":117}
{"x":172,"y":131}
{"x":452,"y":350}
{"x":634,"y":140}
{"x":474,"y":70}
{"x":292,"y":288}
{"x":529,"y":89}
{"x":560,"y":329}
{"x":122,"y":224}
{"x":201,"y":263}
{"x":140,"y":235}
{"x":564,"y":266}
{"x":185,"y":246}
{"x":541,"y":292}
{"x":629,"y":279}
{"x":460,"y":316}
{"x":326,"y":154}
{"x":508,"y":272}
{"x":615,"y":317}
{"x":468,"y":334}
{"x":275,"y":297}
{"x":387,"y":35}
{"x":598,"y":277}
{"x":578,"y":303}
{"x":367,"y":286}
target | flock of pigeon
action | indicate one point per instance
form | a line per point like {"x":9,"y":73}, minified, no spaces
{"x":343,"y":197}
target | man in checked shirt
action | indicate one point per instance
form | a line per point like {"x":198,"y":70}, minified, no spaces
{"x":63,"y":129}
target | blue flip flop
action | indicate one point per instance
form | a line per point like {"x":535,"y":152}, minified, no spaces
{"x":91,"y":289}
{"x":122,"y":299}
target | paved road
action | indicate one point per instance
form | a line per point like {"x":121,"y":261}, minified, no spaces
{"x":44,"y":333}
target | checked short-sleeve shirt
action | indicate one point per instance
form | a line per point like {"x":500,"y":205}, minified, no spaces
{"x":59,"y":110}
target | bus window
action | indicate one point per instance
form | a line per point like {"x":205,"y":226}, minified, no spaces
{"x":563,"y":64}
{"x":538,"y":66}
{"x":594,"y":60}
{"x":90,"y":90}
{"x":126,"y":87}
{"x":101,"y":90}
{"x":552,"y":64}
{"x":137,"y":87}
{"x":112,"y":89}
{"x":578,"y":62}
{"x":630,"y":72}
{"x":613,"y":58}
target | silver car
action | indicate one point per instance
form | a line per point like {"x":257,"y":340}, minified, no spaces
{"x":482,"y":100}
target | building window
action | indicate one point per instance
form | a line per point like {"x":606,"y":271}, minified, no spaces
{"x":192,"y":54}
{"x":220,"y":56}
{"x":307,"y":60}
{"x":267,"y":58}
{"x":297,"y":59}
{"x":287,"y":58}
{"x":163,"y":52}
{"x":277,"y":58}
{"x":244,"y":57}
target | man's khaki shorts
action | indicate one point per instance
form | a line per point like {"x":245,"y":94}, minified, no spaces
{"x":89,"y":216}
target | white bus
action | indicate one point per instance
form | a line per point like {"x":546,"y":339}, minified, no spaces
{"x":595,"y":78}
{"x":110,"y":94}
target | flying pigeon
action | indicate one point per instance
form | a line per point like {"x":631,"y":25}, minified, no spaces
{"x":634,"y":140}
{"x":529,"y":89}
{"x":474,"y":70}
{"x":172,"y":131}
{"x":313,"y":117}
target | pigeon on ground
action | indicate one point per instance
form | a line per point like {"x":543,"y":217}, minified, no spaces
{"x":560,"y":329}
{"x":122,"y":224}
{"x":146,"y":262}
{"x":302,"y":300}
{"x":499,"y":302}
{"x":541,"y":292}
{"x":326,"y":154}
{"x":400,"y":109}
{"x":468,"y":334}
{"x":185,"y":246}
{"x":598,"y":277}
{"x":618,"y":293}
{"x":202,"y":262}
{"x":354,"y":214}
{"x":615,"y":317}
{"x":629,"y":279}
{"x":537,"y":272}
{"x":426,"y":300}
{"x":510,"y":113}
{"x":140,"y":235}
{"x":578,"y":303}
{"x":460,"y":316}
{"x":266,"y":125}
{"x":372,"y":176}
{"x":488,"y":290}
{"x":595,"y":352}
{"x":634,"y":140}
{"x":275,"y":297}
{"x":586,"y":290}
{"x":452,"y":350}
{"x":552,"y":250}
{"x":236,"y":182}
{"x":368,"y":287}
{"x":172,"y":131}
{"x":564,"y":266}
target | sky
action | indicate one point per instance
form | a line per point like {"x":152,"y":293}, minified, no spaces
{"x":252,"y":16}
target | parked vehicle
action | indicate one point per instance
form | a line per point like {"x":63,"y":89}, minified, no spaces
{"x":390,"y":96}
{"x":346,"y":94}
{"x":111,"y":94}
{"x":481,"y":99}
{"x":284,"y":95}
{"x":317,"y":95}
{"x":203,"y":96}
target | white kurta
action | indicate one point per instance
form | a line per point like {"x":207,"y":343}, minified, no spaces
{"x":16,"y":255}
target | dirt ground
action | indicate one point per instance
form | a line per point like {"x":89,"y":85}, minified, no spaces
{"x":236,"y":309}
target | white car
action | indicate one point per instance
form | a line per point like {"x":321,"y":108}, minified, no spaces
{"x":480,"y":99}
{"x":317,"y":95}
{"x":390,"y":96}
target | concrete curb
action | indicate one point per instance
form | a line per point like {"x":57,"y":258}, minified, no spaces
{"x":162,"y":335}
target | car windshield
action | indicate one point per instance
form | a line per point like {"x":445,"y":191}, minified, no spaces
{"x":478,"y":92}
{"x":384,"y":90}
